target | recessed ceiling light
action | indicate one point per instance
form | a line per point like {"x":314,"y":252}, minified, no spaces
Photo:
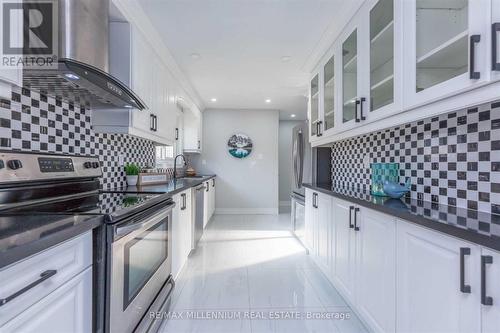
{"x":195,"y":56}
{"x":292,"y":115}
{"x":128,"y":106}
{"x":213,"y":99}
{"x":268,"y":100}
{"x":286,"y":58}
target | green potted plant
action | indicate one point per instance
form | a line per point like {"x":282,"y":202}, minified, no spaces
{"x":132,"y":171}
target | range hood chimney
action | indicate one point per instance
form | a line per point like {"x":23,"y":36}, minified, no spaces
{"x":82,"y":73}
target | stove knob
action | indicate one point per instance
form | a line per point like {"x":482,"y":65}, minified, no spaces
{"x":14,"y":164}
{"x":87,"y":165}
{"x":95,"y":165}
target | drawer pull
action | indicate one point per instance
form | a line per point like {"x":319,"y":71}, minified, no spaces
{"x":351,"y":208}
{"x":43,"y":276}
{"x":464,"y":288}
{"x":356,"y":210}
{"x":485,"y":300}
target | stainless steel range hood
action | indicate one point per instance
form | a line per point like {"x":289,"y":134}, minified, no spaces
{"x":82,"y":72}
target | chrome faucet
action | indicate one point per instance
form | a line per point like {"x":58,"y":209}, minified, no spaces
{"x":175,"y":164}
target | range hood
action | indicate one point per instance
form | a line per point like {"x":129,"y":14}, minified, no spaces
{"x":82,"y":73}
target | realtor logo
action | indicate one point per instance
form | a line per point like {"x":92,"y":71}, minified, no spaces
{"x":29,"y":33}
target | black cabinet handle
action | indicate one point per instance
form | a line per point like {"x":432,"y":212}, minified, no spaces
{"x":315,"y":200}
{"x":156,"y":123}
{"x":485,"y":300}
{"x":361,"y":114}
{"x":356,"y":103}
{"x":199,"y":144}
{"x":151,"y":122}
{"x":183,"y":196}
{"x":351,"y":208}
{"x":176,"y":134}
{"x":320,"y":133}
{"x":213,"y":182}
{"x":474,"y":39}
{"x":43,"y":276}
{"x":356,"y":210}
{"x":208,"y":187}
{"x":464,"y":251}
{"x":495,"y":28}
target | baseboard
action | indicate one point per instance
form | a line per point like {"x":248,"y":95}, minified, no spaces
{"x":286,"y":203}
{"x":247,"y":211}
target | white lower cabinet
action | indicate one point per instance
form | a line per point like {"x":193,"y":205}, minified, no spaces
{"x":430,"y":294}
{"x":345,"y":247}
{"x":212,"y":198}
{"x":376,"y":269}
{"x":490,"y":300}
{"x":67,"y":309}
{"x":182,"y":224}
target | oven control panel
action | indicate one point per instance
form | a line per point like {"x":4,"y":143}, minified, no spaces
{"x":50,"y":164}
{"x":19,"y":167}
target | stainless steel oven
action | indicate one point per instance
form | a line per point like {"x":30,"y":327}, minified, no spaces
{"x":140,"y":266}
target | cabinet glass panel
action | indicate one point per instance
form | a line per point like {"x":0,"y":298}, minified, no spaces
{"x":349,"y":76}
{"x":314,"y":104}
{"x":382,"y":54}
{"x":442,"y":41}
{"x":329,"y":94}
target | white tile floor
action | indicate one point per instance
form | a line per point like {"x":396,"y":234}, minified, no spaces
{"x":250,"y":270}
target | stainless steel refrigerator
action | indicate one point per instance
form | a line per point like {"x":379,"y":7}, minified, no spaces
{"x":301,"y":173}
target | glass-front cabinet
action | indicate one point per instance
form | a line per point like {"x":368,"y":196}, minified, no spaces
{"x":381,"y":55}
{"x":350,"y":77}
{"x":314,"y":118}
{"x":446,"y":47}
{"x":329,"y":94}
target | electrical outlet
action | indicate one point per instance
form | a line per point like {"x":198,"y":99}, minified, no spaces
{"x":121,"y":160}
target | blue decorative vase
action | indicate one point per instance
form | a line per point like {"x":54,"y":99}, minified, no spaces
{"x":382,"y":172}
{"x":395,"y":190}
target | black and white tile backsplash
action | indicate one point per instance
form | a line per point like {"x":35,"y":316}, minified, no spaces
{"x":30,"y":121}
{"x":453,"y":159}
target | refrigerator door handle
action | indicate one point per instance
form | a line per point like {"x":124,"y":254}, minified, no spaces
{"x":301,"y":158}
{"x":294,"y":158}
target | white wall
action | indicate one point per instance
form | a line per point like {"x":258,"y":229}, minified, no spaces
{"x":285,"y":160}
{"x":248,"y":185}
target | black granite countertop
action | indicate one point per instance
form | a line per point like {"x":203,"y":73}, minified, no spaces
{"x":474,"y":226}
{"x":172,"y":187}
{"x":22,"y":235}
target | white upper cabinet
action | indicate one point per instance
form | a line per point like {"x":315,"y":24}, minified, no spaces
{"x":351,"y":76}
{"x":329,"y":94}
{"x":192,"y":130}
{"x":445,"y":45}
{"x":383,"y":83}
{"x":314,"y":115}
{"x":495,"y":40}
{"x":396,"y":61}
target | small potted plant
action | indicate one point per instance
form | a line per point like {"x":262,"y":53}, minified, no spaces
{"x":132,"y":171}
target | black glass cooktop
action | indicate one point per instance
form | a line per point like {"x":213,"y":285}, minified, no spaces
{"x":113,"y":205}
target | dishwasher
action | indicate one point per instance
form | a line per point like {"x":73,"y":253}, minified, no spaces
{"x":198,"y":215}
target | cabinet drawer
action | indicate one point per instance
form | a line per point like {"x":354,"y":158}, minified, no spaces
{"x":67,"y":309}
{"x":66,"y":259}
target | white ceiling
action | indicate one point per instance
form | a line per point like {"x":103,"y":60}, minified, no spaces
{"x":241,"y":43}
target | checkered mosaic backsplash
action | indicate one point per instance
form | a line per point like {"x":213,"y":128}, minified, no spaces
{"x":30,"y":121}
{"x":453,"y":159}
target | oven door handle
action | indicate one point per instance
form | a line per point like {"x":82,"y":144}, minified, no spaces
{"x":143,"y":223}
